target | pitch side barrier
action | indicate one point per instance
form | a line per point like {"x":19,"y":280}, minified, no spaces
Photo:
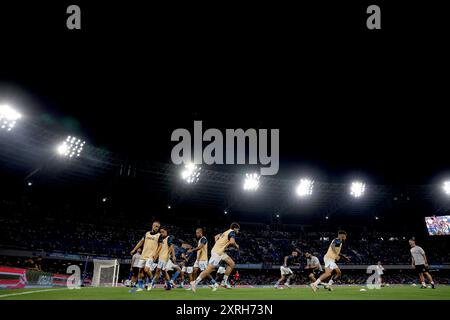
{"x":18,"y":278}
{"x":248,"y":266}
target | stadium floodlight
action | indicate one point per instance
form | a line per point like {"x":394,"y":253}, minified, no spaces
{"x":71,"y":147}
{"x":169,"y":207}
{"x":8,"y":117}
{"x":446,"y":187}
{"x":190,"y":173}
{"x":226,"y":212}
{"x":357,"y":189}
{"x":29,"y":183}
{"x":251,"y":182}
{"x":305,"y":187}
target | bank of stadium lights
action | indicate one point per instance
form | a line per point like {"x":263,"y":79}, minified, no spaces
{"x":357,"y":189}
{"x":305,"y":188}
{"x":190,"y":173}
{"x":8,"y":117}
{"x":446,"y":187}
{"x":251,"y":182}
{"x":71,"y":147}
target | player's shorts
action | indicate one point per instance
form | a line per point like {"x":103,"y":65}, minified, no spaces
{"x":146,"y":263}
{"x":187,"y":270}
{"x":135,"y":271}
{"x":216,"y":258}
{"x":421,"y":268}
{"x":201,"y":264}
{"x":170,"y":265}
{"x":221,"y":270}
{"x":330,"y":264}
{"x":316,"y":272}
{"x":162,"y":264}
{"x":285,"y":271}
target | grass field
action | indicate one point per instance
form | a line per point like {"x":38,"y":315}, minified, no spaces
{"x":304,"y":293}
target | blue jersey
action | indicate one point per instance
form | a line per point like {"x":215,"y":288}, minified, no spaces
{"x":290,"y":260}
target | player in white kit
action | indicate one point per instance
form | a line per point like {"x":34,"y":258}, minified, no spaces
{"x":420,"y":263}
{"x":313,"y":266}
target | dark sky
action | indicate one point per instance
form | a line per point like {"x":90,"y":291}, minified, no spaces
{"x":347,"y":103}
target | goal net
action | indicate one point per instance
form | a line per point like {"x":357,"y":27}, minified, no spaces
{"x":106,"y":273}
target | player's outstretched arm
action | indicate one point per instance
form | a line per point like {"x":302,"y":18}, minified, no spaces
{"x":197,"y":248}
{"x":140,"y":243}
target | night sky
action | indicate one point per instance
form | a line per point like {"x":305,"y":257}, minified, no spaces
{"x":347,"y":103}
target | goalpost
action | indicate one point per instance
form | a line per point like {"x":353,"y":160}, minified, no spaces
{"x":106,"y":273}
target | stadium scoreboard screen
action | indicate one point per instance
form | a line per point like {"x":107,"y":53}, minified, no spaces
{"x":438,"y":225}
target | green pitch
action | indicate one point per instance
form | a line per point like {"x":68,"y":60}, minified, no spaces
{"x":339,"y":293}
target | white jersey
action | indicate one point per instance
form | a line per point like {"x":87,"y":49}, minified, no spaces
{"x":418,"y":255}
{"x":313,"y":261}
{"x":135,"y":260}
{"x":380,"y":269}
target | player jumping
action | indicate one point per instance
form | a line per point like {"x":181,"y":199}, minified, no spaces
{"x":330,"y":258}
{"x":420,"y":263}
{"x":223,"y":240}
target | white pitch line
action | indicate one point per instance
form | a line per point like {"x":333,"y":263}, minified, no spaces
{"x":26,"y":292}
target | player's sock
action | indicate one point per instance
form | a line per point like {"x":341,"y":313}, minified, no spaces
{"x":330,"y":283}
{"x":175,"y":275}
{"x":316,"y":283}
{"x":424,"y":284}
{"x":140,"y":283}
{"x":213,"y":281}
{"x":277,"y":284}
{"x":198,"y":280}
{"x":225,"y":279}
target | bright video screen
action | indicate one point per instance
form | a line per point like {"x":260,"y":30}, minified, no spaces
{"x":438,"y":225}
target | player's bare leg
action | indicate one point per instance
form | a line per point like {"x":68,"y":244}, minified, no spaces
{"x":155,"y":279}
{"x":328,"y":272}
{"x":280,"y":281}
{"x":210,"y":268}
{"x":288,"y":281}
{"x":230,"y":266}
{"x":334,"y":277}
{"x":149,"y":274}
{"x":430,"y":279}
{"x":140,"y":280}
{"x":422,"y":281}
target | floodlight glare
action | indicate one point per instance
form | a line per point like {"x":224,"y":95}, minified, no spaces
{"x":251,"y":182}
{"x":71,"y":147}
{"x":305,"y":188}
{"x":8,"y":117}
{"x":357,"y":189}
{"x":190,"y":173}
{"x":446,"y":187}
